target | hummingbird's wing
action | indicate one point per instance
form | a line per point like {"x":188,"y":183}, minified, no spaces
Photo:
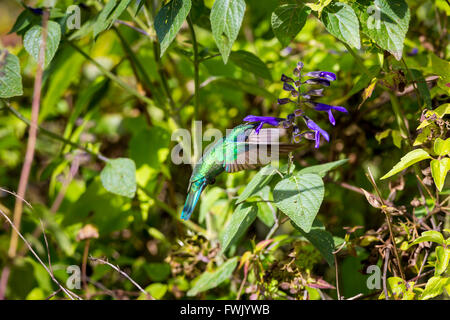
{"x":256,"y":150}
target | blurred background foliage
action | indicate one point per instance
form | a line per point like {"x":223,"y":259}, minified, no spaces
{"x":143,"y":234}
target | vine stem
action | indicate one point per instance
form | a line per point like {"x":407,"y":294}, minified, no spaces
{"x":32,"y":134}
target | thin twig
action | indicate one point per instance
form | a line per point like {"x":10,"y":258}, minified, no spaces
{"x":386,"y":262}
{"x":388,"y":220}
{"x":70,"y":294}
{"x":123,"y":274}
{"x":337,"y":277}
{"x":46,"y":245}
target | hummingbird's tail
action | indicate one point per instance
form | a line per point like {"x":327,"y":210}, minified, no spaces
{"x":192,"y":198}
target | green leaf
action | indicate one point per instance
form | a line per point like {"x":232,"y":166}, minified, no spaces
{"x":435,"y":286}
{"x":249,"y":62}
{"x":33,"y":37}
{"x":241,"y":219}
{"x":442,"y":260}
{"x":209,"y":280}
{"x":318,"y":7}
{"x":385,"y":22}
{"x":441,"y":67}
{"x":109,"y":14}
{"x":209,"y":198}
{"x":65,"y":70}
{"x":321,"y":239}
{"x":422,"y":86}
{"x":431,"y":235}
{"x":119,"y":177}
{"x":169,"y":20}
{"x":407,"y":160}
{"x":342,"y":22}
{"x":396,"y":287}
{"x":157,"y":291}
{"x":10,"y":78}
{"x":226,"y":19}
{"x":299,"y":196}
{"x":322,"y":169}
{"x":439,"y":170}
{"x":442,"y":147}
{"x":288,"y":20}
{"x":261,"y":179}
{"x":23,"y":21}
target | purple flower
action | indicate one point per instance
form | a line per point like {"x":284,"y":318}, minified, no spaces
{"x":413,"y":52}
{"x":285,"y":78}
{"x":317,"y":132}
{"x":325,"y":107}
{"x":319,"y":81}
{"x":322,"y":74}
{"x":288,"y":87}
{"x":273,"y":121}
{"x":284,"y":101}
{"x":315,"y":92}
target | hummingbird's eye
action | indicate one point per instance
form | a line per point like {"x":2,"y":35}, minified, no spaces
{"x":212,"y":181}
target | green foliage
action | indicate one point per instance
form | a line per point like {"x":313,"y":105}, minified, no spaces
{"x":10,"y":78}
{"x":168,"y":21}
{"x":119,"y":101}
{"x":119,"y":177}
{"x":226,"y":19}
{"x":299,"y":196}
{"x":385,"y":22}
{"x":242,"y":218}
{"x":33,"y":38}
{"x":112,"y":11}
{"x":212,"y":279}
{"x":342,"y":22}
{"x":408,"y":160}
{"x":288,"y":20}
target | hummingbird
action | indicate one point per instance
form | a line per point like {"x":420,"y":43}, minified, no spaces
{"x":240,"y":149}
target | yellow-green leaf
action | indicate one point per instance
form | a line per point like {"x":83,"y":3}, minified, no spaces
{"x":442,"y":147}
{"x":408,"y":160}
{"x":439,"y":169}
{"x":442,"y":259}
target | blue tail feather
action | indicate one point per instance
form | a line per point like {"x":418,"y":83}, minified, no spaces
{"x":192,"y":198}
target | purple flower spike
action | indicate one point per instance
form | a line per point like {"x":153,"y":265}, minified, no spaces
{"x":288,"y":87}
{"x":325,"y":107}
{"x":285,"y":78}
{"x":317,"y":132}
{"x":273,"y":121}
{"x":322,"y":74}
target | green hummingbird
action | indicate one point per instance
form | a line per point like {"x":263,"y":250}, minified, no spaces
{"x":239,"y":150}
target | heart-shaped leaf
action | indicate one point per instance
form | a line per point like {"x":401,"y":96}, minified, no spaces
{"x":341,"y":21}
{"x":288,"y":20}
{"x":119,"y":177}
{"x":385,"y":22}
{"x":33,"y":37}
{"x":299,"y":196}
{"x":226,"y":19}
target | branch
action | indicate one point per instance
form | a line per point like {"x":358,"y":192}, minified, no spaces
{"x":123,"y":274}
{"x":32,"y":134}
